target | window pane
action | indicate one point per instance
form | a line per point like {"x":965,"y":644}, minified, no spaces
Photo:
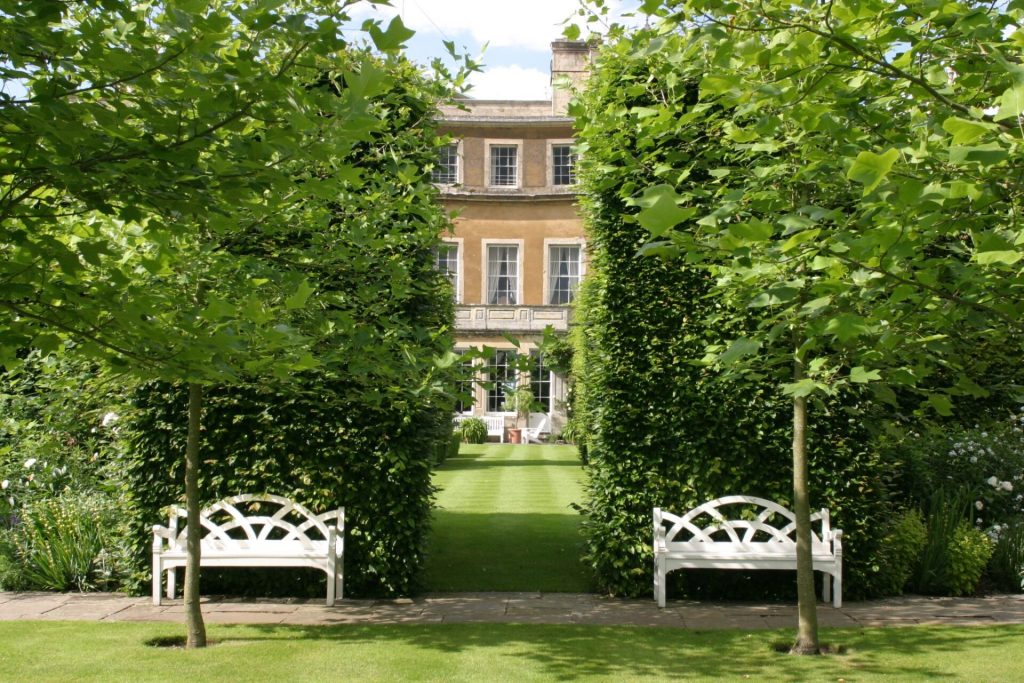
{"x":503,"y":165}
{"x":563,"y":165}
{"x":502,"y":274}
{"x":446,"y":172}
{"x":446,"y":261}
{"x":464,"y":387}
{"x":563,"y":274}
{"x":540,"y":381}
{"x":501,"y":372}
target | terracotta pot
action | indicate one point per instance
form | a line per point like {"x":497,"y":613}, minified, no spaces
{"x":515,"y":435}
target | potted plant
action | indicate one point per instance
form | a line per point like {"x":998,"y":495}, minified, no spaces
{"x":519,"y":401}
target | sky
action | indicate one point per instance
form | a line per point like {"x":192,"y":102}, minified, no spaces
{"x":518,"y":35}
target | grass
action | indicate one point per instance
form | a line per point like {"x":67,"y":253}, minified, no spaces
{"x":505,"y":523}
{"x":110,"y":652}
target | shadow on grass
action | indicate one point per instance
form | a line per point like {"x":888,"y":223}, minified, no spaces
{"x":570,"y":652}
{"x":462,"y":463}
{"x":506,"y":552}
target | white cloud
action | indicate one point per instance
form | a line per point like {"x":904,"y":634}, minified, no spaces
{"x":511,"y":82}
{"x":529,"y":24}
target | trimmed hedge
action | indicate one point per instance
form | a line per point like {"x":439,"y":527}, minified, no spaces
{"x":659,"y":429}
{"x":362,"y":432}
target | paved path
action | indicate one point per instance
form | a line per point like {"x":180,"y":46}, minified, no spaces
{"x":527,"y":608}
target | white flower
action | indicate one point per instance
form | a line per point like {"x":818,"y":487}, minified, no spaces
{"x":1006,"y":486}
{"x":29,"y":463}
{"x":978,"y":504}
{"x":993,"y":482}
{"x":4,"y":484}
{"x":974,"y":458}
{"x":109,"y":419}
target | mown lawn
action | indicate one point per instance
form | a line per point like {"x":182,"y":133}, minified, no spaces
{"x":92,"y":651}
{"x":504,"y":521}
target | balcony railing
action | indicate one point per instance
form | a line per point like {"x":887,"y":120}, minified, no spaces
{"x":483,"y":318}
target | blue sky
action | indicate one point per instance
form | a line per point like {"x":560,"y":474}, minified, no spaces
{"x":518,"y":34}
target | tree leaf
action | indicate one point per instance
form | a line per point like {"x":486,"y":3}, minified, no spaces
{"x":870,"y":169}
{"x":965,"y":132}
{"x":660,"y":212}
{"x":299,"y":296}
{"x":859,"y":375}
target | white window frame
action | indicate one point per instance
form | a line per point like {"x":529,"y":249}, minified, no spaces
{"x":562,"y":242}
{"x":473,"y":381}
{"x":459,"y":265}
{"x":487,"y":377}
{"x":518,"y":144}
{"x":458,"y":165}
{"x":551,"y":160}
{"x":485,"y":266}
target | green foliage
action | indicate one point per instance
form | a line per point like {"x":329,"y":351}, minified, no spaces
{"x":61,"y":503}
{"x":520,"y":401}
{"x":63,"y":543}
{"x":969,"y":553}
{"x":361,"y":427}
{"x":956,"y":552}
{"x":985,"y":461}
{"x":899,"y":552}
{"x":473,"y":430}
{"x":320,"y":443}
{"x":1006,"y":568}
{"x":658,"y":427}
{"x":872,"y":241}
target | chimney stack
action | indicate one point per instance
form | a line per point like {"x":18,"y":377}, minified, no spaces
{"x":569,"y":59}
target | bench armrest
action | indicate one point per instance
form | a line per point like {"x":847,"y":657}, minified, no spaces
{"x":659,"y":533}
{"x":837,"y":541}
{"x":161,"y":534}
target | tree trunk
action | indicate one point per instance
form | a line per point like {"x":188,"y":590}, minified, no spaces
{"x":807,"y":606}
{"x":193,"y":613}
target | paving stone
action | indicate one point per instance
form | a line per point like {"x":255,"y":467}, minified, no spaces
{"x":521,"y":607}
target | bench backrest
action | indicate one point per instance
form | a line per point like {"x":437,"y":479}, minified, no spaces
{"x":249,"y":519}
{"x":741,"y":520}
{"x":495,"y":423}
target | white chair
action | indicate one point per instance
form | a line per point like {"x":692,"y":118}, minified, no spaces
{"x":538,"y":424}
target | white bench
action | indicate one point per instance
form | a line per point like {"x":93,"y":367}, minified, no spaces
{"x":255,"y":531}
{"x":714,"y":536}
{"x":495,"y":424}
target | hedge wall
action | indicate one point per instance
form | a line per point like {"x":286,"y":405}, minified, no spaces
{"x":660,"y":431}
{"x":361,"y":432}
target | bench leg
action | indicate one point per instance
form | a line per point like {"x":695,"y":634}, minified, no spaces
{"x":157,"y":577}
{"x":826,"y":586}
{"x":172,"y":575}
{"x":659,"y":581}
{"x":838,"y":580}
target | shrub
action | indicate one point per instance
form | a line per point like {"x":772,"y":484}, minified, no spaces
{"x":473,"y":430}
{"x":900,"y":551}
{"x":969,"y":552}
{"x":986,"y":461}
{"x":1006,"y":568}
{"x":956,"y":552}
{"x":65,"y":544}
{"x":569,"y":432}
{"x":59,"y":486}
